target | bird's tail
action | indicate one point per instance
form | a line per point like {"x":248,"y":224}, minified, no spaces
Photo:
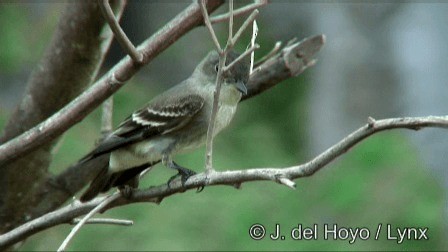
{"x":100,"y":183}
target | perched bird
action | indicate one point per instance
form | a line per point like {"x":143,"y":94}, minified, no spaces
{"x":173,"y":122}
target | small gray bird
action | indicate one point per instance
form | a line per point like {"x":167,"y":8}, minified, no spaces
{"x":173,"y":122}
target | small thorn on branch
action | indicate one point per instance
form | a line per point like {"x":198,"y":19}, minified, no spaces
{"x":237,"y":185}
{"x":416,"y":128}
{"x":113,"y":80}
{"x":158,"y":200}
{"x":311,"y":63}
{"x":285,"y":181}
{"x":371,"y":122}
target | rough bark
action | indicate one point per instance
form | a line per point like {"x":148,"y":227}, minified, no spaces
{"x":68,"y":66}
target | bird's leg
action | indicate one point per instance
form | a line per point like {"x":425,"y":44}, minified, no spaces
{"x":127,"y":189}
{"x":183,"y":172}
{"x":128,"y":180}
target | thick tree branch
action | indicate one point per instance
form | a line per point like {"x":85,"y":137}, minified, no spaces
{"x":69,"y":65}
{"x":291,"y":61}
{"x":279,"y":175}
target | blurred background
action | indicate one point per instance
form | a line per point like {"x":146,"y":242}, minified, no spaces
{"x":381,"y":60}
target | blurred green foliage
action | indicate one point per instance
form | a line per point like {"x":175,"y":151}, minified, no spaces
{"x":380,"y":181}
{"x":20,"y":42}
{"x":12,"y":41}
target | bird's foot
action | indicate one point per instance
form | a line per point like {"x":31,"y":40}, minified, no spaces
{"x":200,"y":189}
{"x":126,"y":191}
{"x":183,"y":173}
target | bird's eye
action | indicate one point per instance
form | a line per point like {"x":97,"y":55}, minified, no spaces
{"x":216,"y":67}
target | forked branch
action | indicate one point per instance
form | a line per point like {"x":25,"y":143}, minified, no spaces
{"x":119,"y":34}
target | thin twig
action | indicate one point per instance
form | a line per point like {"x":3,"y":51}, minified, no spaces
{"x":209,"y":26}
{"x":291,"y":41}
{"x":244,"y":26}
{"x":252,"y":44}
{"x":221,"y":68}
{"x":242,"y":56}
{"x":78,"y":226}
{"x":238,"y":12}
{"x":274,"y":51}
{"x":109,"y":221}
{"x":230,"y":35}
{"x":219,"y":78}
{"x":121,"y":37}
{"x":211,"y":124}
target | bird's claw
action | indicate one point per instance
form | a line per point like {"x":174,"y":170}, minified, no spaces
{"x":200,"y":189}
{"x":126,"y":191}
{"x":184,"y":174}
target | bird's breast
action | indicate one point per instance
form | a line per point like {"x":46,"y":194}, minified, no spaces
{"x":224,"y":117}
{"x":228,"y":103}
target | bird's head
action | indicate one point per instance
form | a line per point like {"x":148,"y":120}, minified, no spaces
{"x":237,"y":75}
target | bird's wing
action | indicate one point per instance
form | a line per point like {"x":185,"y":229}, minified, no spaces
{"x":157,"y":118}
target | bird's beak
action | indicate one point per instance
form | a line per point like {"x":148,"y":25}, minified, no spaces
{"x":241,"y":87}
